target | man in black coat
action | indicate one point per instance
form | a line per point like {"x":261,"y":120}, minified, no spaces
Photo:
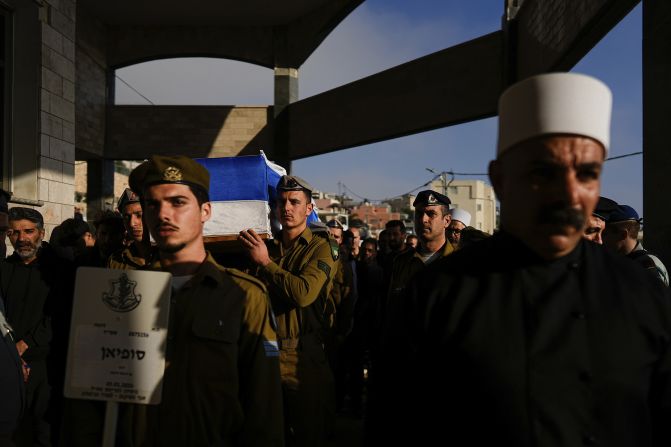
{"x":536,"y":337}
{"x":37,"y":286}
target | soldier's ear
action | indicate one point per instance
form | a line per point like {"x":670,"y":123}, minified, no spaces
{"x":205,"y":212}
{"x":310,"y":207}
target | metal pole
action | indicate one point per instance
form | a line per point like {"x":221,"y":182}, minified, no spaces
{"x":111,"y":416}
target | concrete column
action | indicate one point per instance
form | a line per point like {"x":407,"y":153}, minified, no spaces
{"x":99,"y":186}
{"x":286,"y":92}
{"x":656,"y":113}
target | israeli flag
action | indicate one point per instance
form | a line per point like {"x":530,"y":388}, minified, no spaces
{"x":242,"y":189}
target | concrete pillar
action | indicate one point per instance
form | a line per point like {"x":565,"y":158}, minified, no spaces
{"x":286,"y":92}
{"x":99,"y":186}
{"x":656,"y":113}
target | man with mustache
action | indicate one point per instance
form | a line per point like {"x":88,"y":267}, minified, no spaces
{"x":36,"y":284}
{"x":221,"y":384}
{"x":535,"y":336}
{"x":298,"y":268}
{"x":139,"y":252}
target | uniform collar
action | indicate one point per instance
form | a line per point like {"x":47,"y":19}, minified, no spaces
{"x":305,"y":237}
{"x":207,"y":271}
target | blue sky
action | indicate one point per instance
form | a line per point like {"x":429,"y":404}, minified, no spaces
{"x":384,"y":33}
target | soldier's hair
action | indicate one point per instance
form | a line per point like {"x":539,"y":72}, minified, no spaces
{"x":201,"y":195}
{"x":394,"y":224}
{"x":21,"y":213}
{"x":632,"y":227}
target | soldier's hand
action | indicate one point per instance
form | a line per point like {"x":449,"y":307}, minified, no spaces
{"x":255,"y":246}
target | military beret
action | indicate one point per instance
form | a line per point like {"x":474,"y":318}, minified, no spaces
{"x":4,"y":198}
{"x":21,"y":213}
{"x":623,"y":213}
{"x":161,"y":169}
{"x":334,"y":223}
{"x":293,"y":183}
{"x":128,"y":196}
{"x":429,"y":197}
{"x":604,"y":207}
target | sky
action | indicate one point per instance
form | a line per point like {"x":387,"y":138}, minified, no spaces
{"x":381,"y":34}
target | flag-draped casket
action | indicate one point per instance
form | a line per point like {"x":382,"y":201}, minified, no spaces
{"x":241,"y":190}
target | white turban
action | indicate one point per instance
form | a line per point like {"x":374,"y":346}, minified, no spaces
{"x":554,"y":103}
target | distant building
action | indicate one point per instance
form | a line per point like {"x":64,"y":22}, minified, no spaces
{"x":374,"y":216}
{"x":330,"y":207}
{"x":474,"y":196}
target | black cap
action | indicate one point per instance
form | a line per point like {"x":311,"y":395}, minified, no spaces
{"x":604,"y":208}
{"x":623,"y":213}
{"x":21,"y":213}
{"x":4,"y":198}
{"x":429,"y":197}
{"x":163,"y":169}
{"x":293,"y":183}
{"x":128,"y":196}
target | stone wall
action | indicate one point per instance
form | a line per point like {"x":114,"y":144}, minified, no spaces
{"x":136,"y":132}
{"x":57,"y":112}
{"x":91,"y":85}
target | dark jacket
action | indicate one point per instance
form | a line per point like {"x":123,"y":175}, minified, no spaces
{"x":11,"y":379}
{"x":38,"y":300}
{"x":496,"y":346}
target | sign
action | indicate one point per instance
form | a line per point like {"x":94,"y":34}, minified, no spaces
{"x":118,"y":335}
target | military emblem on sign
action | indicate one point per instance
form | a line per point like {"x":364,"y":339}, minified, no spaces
{"x":172,"y":174}
{"x":432,"y":200}
{"x":122,"y":296}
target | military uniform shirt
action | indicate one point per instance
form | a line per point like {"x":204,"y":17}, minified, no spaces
{"x":129,"y":258}
{"x":222,"y":383}
{"x":297,"y":279}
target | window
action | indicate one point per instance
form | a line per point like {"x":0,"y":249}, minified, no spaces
{"x":479,"y":207}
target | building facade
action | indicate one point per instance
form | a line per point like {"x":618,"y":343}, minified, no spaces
{"x":474,"y":196}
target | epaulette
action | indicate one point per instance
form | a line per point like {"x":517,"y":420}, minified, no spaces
{"x":335,"y":248}
{"x":237,"y":274}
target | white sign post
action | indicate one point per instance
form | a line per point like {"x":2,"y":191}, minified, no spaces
{"x":118,"y":338}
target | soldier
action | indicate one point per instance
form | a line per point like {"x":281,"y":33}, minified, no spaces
{"x":298,"y":268}
{"x":139,"y":252}
{"x":221,"y":383}
{"x":460,"y":219}
{"x":432,"y":218}
{"x":596,"y":223}
{"x":621,"y":236}
{"x":343,"y":296}
{"x":534,"y":336}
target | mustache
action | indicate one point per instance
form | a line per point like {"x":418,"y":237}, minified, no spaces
{"x":165,"y":225}
{"x":561,"y":215}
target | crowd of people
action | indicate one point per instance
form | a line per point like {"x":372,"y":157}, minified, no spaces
{"x":554,"y":331}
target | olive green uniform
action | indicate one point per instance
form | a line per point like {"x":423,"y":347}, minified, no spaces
{"x":406,"y":265}
{"x":299,"y":281}
{"x":222,"y":382}
{"x":129,"y":258}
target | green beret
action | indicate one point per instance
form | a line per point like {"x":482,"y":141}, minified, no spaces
{"x":128,"y":196}
{"x":293,"y":183}
{"x":161,"y":169}
{"x":429,"y":197}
